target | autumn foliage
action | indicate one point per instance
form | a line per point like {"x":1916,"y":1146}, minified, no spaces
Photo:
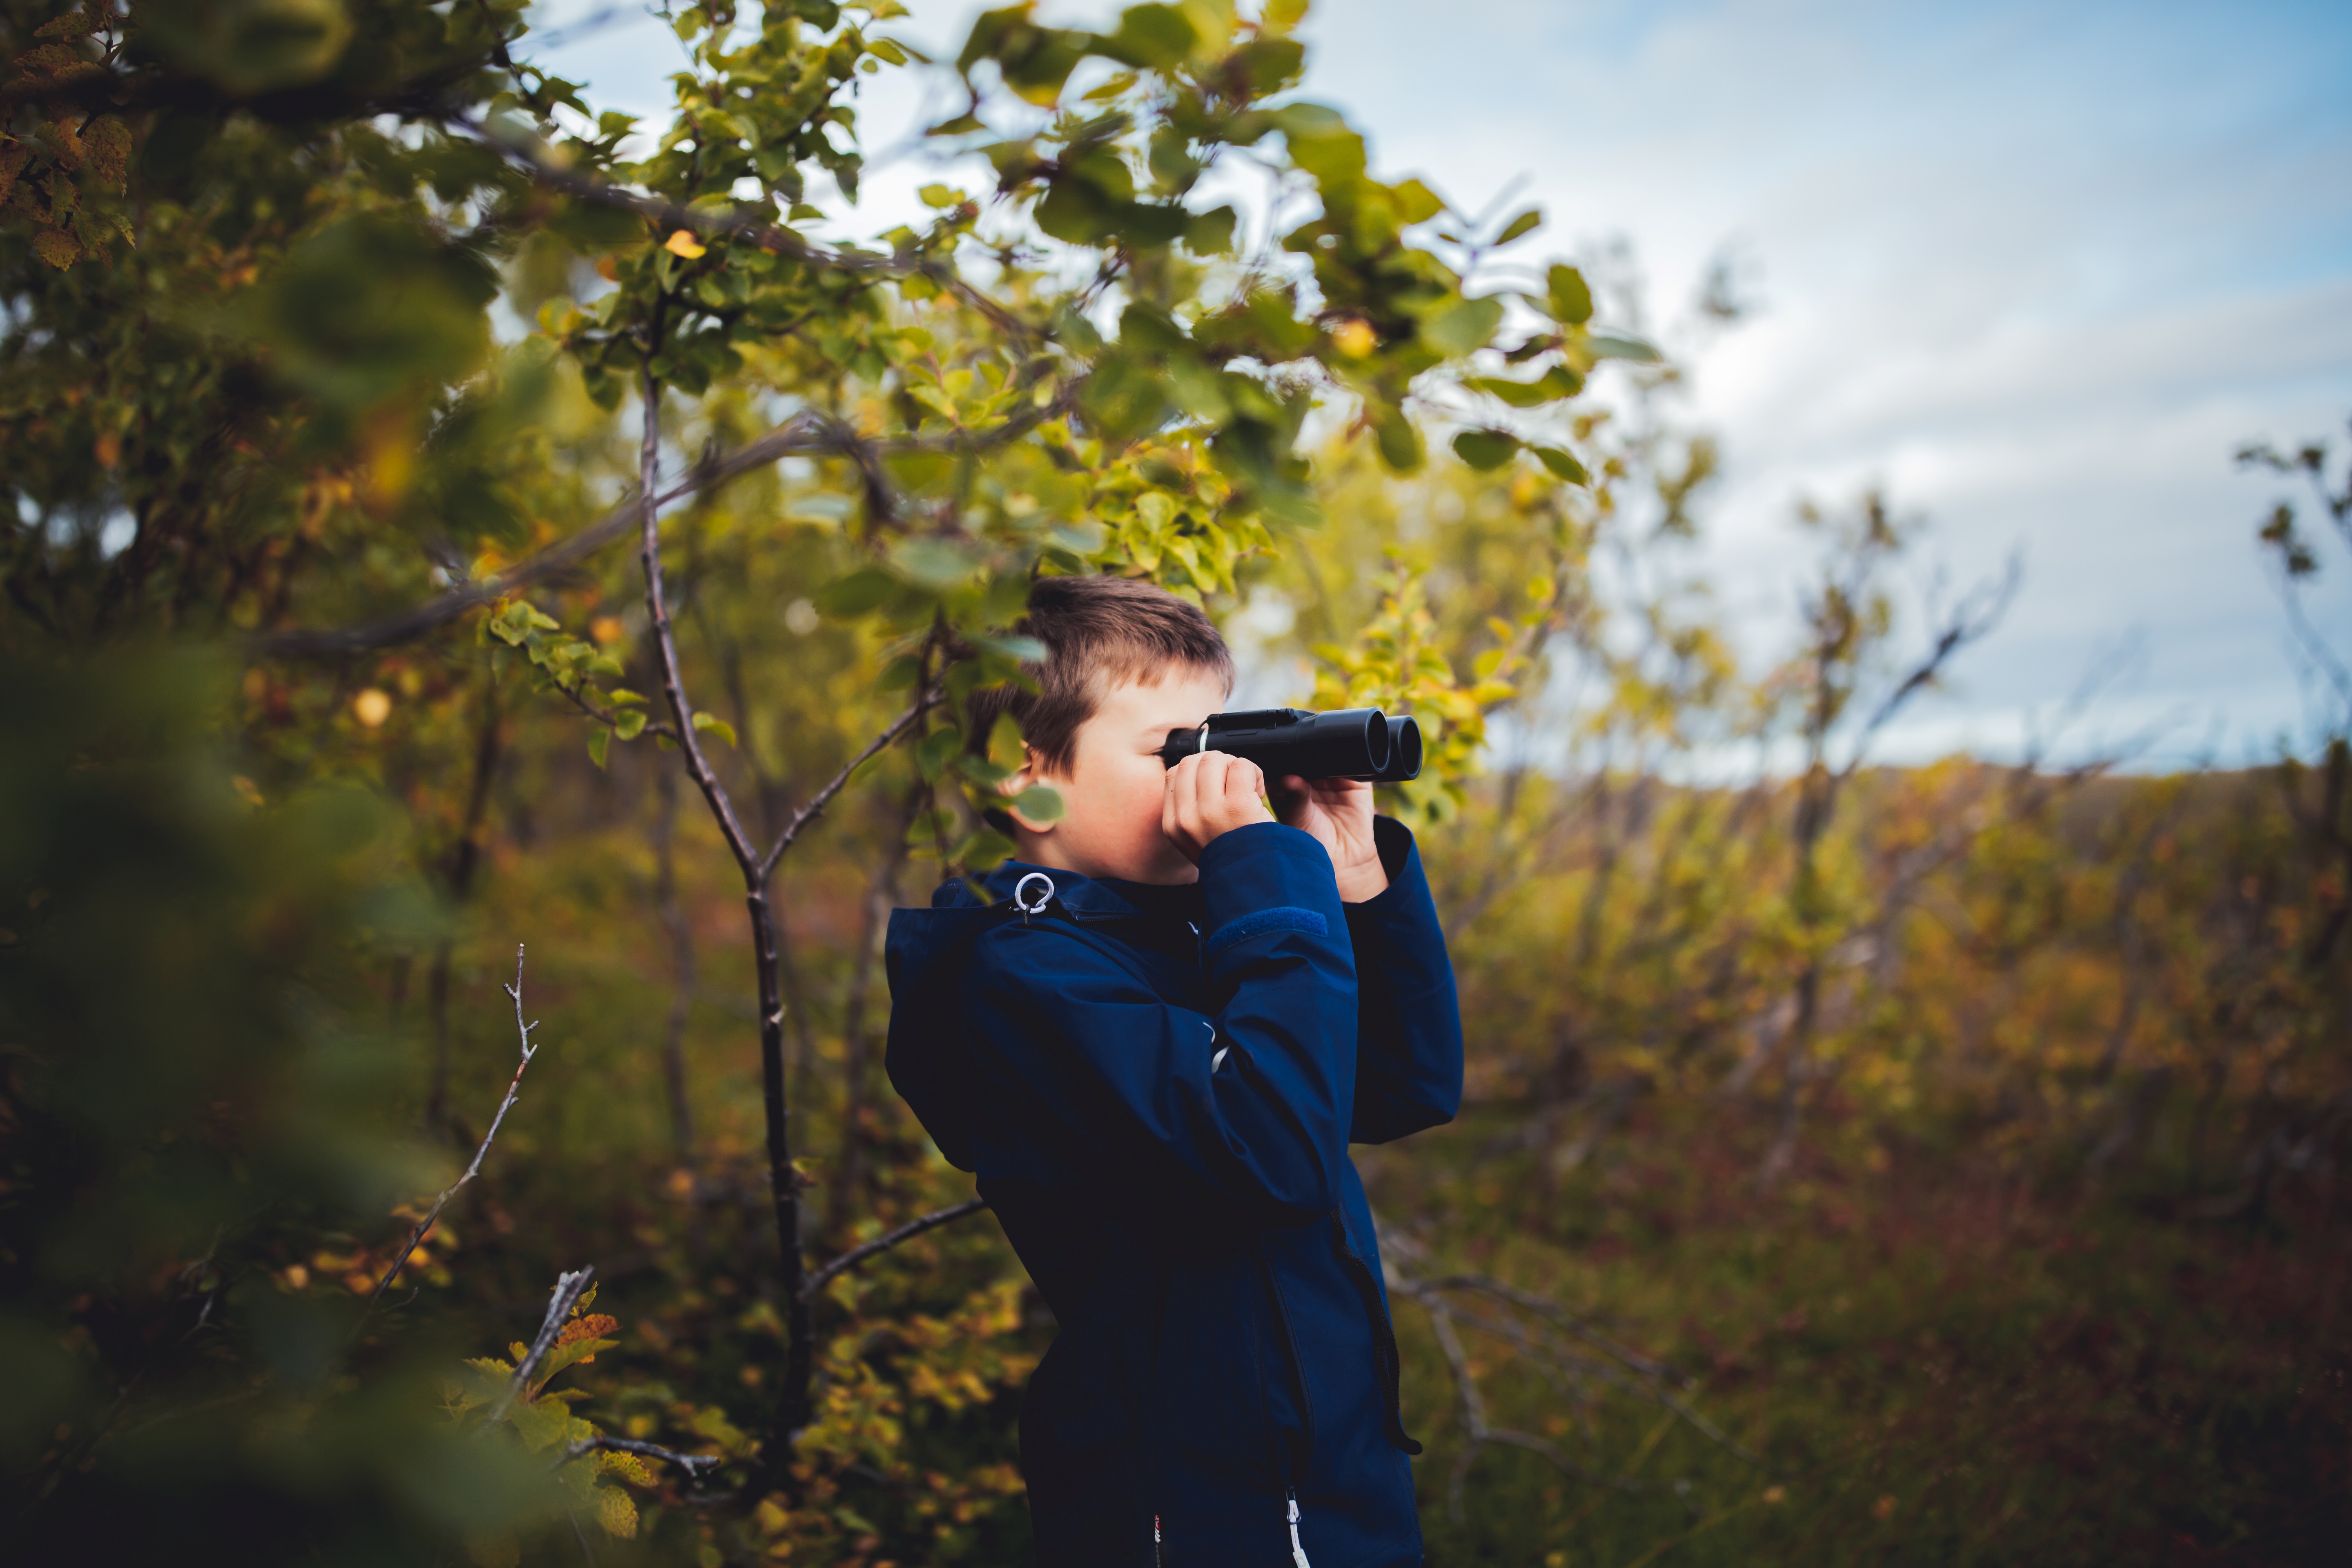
{"x":447,"y":515}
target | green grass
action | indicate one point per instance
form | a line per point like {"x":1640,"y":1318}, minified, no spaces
{"x":1935,"y":1367}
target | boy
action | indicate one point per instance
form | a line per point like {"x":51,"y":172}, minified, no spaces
{"x":1154,"y":1048}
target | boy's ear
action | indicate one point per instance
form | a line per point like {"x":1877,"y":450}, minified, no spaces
{"x":1029,"y":773}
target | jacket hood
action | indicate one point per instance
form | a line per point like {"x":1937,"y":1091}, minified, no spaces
{"x":924,"y":958}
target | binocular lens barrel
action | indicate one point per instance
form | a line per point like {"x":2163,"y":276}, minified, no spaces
{"x":1350,"y":743}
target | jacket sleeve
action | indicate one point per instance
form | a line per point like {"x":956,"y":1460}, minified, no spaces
{"x":1408,"y":1039}
{"x":1245,"y":1110}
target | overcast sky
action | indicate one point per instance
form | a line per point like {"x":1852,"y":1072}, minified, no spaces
{"x":2036,"y":270}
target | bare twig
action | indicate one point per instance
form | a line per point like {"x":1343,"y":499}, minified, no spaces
{"x":1477,"y":1429}
{"x":1657,"y":1374}
{"x":586,"y":1550}
{"x":1553,"y":1313}
{"x":819,"y":1278}
{"x":924,"y":701}
{"x":514,"y":1089}
{"x":568,"y":1289}
{"x":692,"y":1464}
{"x":1648,"y":1379}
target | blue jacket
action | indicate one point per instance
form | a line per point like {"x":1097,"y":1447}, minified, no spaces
{"x":1157,"y":1088}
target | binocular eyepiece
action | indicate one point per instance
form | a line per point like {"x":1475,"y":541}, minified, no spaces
{"x":1350,"y":743}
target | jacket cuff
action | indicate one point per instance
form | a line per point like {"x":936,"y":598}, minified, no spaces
{"x":1266,"y":866}
{"x":1401,"y":859}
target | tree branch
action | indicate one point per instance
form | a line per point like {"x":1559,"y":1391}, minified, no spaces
{"x":1971,"y":620}
{"x":568,"y":1289}
{"x":904,"y":262}
{"x":924,"y":701}
{"x":692,"y":1464}
{"x":513,"y":1089}
{"x":690,"y":743}
{"x":818,"y":1280}
{"x":796,"y":436}
{"x":810,"y":433}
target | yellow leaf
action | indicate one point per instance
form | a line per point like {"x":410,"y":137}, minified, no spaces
{"x":12,"y":159}
{"x":628,"y":1466}
{"x":107,"y":145}
{"x":682,"y":242}
{"x":615,"y":1512}
{"x":57,"y":248}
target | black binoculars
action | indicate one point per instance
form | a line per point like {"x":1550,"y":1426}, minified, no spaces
{"x":1352,"y":743}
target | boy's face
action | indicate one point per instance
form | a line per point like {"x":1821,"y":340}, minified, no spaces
{"x":1115,"y":783}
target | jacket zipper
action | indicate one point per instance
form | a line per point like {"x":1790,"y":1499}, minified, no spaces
{"x":1305,"y":1410}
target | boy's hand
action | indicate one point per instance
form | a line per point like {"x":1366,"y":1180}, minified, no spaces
{"x":1208,"y":794}
{"x":1338,"y":813}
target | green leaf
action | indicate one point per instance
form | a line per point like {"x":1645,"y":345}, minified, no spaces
{"x":980,"y":770}
{"x":1039,"y":804}
{"x":570,"y":1353}
{"x":982,"y":851}
{"x":1024,"y":649}
{"x":1526,"y":223}
{"x":1485,"y":450}
{"x":622,"y":697}
{"x":600,"y":741}
{"x":936,"y":565}
{"x":939,"y":195}
{"x":716,"y":726}
{"x":1463,"y":328}
{"x":855,"y":594}
{"x":629,"y":724}
{"x":1150,"y":329}
{"x":1562,"y":465}
{"x":1150,"y":37}
{"x":542,"y":1422}
{"x":1073,"y":212}
{"x":1572,"y":298}
{"x":1518,"y":393}
{"x":1124,"y":399}
{"x":1200,"y":391}
{"x":936,"y":750}
{"x":1398,"y":440}
{"x":1210,"y":233}
{"x":1635,"y":349}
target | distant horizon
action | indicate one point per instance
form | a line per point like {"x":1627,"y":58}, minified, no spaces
{"x":2037,"y":274}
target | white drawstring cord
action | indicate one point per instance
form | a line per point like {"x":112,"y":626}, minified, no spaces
{"x":1298,"y":1552}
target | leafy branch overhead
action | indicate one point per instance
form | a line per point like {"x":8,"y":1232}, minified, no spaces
{"x":1088,"y":365}
{"x":1128,"y":390}
{"x":1147,"y":261}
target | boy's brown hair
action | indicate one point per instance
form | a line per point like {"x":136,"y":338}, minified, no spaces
{"x":1098,"y":631}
